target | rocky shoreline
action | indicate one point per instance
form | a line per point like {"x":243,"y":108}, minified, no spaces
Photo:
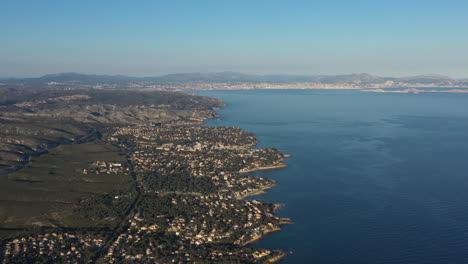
{"x":272,"y":167}
{"x":283,"y":221}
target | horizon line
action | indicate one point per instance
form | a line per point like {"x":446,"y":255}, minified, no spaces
{"x":235,"y":72}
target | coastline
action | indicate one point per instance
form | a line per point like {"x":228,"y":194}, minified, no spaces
{"x":257,"y":238}
{"x":414,"y":91}
{"x":257,"y":191}
{"x":275,"y":259}
{"x":271,"y":167}
{"x":283,"y":221}
{"x":305,"y":86}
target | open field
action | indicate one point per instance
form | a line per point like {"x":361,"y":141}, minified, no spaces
{"x":47,"y":192}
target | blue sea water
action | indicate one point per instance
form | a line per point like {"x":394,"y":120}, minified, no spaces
{"x":373,"y":177}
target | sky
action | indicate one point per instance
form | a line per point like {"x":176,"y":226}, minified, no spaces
{"x":155,"y":37}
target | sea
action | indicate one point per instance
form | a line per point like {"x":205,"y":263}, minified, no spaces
{"x":373,"y":177}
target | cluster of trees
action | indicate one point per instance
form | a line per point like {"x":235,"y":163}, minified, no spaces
{"x":177,"y":181}
{"x":101,"y":206}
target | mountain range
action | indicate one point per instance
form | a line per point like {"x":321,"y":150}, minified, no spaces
{"x":233,"y":77}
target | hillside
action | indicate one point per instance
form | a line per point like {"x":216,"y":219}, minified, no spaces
{"x":35,"y":120}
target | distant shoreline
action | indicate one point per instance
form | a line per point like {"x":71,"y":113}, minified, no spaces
{"x":415,"y":91}
{"x":210,"y":81}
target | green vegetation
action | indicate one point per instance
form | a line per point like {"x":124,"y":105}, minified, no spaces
{"x":33,"y":120}
{"x":44,"y":193}
{"x":125,"y":177}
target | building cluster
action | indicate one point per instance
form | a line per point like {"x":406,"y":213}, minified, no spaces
{"x":106,"y":167}
{"x":219,"y":153}
{"x":59,"y":247}
{"x":189,"y":209}
{"x":221,"y":219}
{"x":190,"y":138}
{"x":182,"y":226}
{"x":174,"y":223}
{"x":206,"y":162}
{"x":239,"y":85}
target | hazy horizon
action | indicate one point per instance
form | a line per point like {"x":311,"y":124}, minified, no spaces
{"x":151,"y":38}
{"x":237,"y":72}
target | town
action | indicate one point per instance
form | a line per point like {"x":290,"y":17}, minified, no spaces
{"x":188,"y":205}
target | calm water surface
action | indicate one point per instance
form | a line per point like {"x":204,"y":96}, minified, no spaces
{"x":374,"y":178}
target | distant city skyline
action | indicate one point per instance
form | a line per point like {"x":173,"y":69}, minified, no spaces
{"x":152,"y":38}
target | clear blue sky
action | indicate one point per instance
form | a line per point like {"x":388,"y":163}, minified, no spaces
{"x":152,"y":37}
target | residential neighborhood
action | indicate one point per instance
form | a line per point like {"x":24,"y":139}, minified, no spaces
{"x":188,"y":205}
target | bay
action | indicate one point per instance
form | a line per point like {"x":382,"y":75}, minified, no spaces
{"x":373,"y":178}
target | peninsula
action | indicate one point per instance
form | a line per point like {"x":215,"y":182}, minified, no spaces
{"x":129,"y":177}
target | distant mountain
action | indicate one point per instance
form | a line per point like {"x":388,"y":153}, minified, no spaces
{"x":218,"y":77}
{"x":205,"y":77}
{"x":170,"y":78}
{"x":80,"y":78}
{"x":232,"y":77}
